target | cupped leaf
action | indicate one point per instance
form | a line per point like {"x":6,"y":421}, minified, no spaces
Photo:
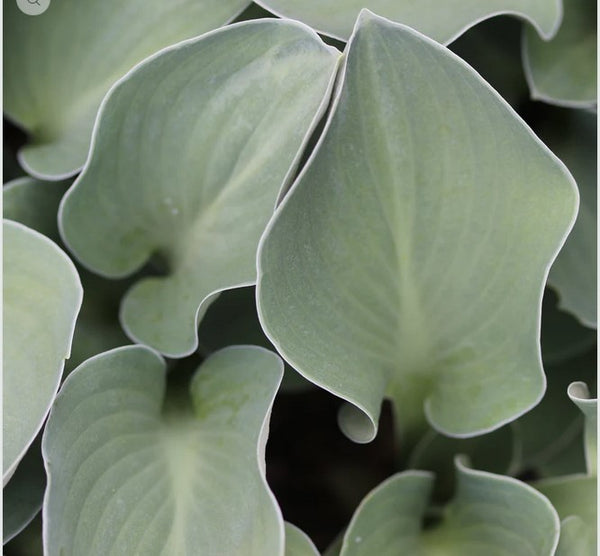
{"x":572,"y":135}
{"x":22,"y":496}
{"x":490,"y":514}
{"x":410,"y":256}
{"x":53,"y":89}
{"x":562,"y":71}
{"x":298,"y":543}
{"x":42,"y":296}
{"x":579,"y":394}
{"x":551,"y":427}
{"x":575,"y":496}
{"x":35,"y":203}
{"x":440,"y":21}
{"x":188,"y":158}
{"x":130,"y":472}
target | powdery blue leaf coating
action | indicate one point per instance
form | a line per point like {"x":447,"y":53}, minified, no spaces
{"x":410,"y":256}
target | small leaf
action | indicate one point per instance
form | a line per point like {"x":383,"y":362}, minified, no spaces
{"x":490,"y":514}
{"x":298,"y":543}
{"x":562,"y":71}
{"x":42,"y":296}
{"x":579,"y":394}
{"x":131,"y":471}
{"x":53,"y":88}
{"x":440,"y":21}
{"x":409,"y":258}
{"x":575,"y":496}
{"x":195,"y":181}
{"x":22,"y":496}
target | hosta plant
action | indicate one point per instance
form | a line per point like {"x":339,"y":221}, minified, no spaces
{"x":300,"y":278}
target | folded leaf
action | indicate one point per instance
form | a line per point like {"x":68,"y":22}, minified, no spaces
{"x":409,"y":258}
{"x":189,"y":155}
{"x":131,"y":472}
{"x":42,"y":296}
{"x":490,"y":514}
{"x":575,"y":496}
{"x":440,"y":21}
{"x":59,"y":65}
{"x":562,"y":71}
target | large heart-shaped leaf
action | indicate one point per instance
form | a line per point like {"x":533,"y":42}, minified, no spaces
{"x":410,"y":256}
{"x":42,"y":296}
{"x":53,"y":88}
{"x":562,"y":71}
{"x":575,"y":496}
{"x":133,"y":472}
{"x":440,"y":21}
{"x":490,"y":514}
{"x":35,"y":203}
{"x":196,"y":179}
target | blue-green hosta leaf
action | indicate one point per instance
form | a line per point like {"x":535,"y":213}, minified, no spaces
{"x":42,"y":296}
{"x":297,"y":542}
{"x":442,"y":22}
{"x":53,"y":89}
{"x":579,"y":394}
{"x":575,"y":496}
{"x":489,"y":515}
{"x":195,"y":179}
{"x":22,"y":496}
{"x":496,"y":452}
{"x":562,"y":71}
{"x":550,"y":427}
{"x":409,"y":258}
{"x":573,"y":137}
{"x":35,"y":203}
{"x":132,"y":473}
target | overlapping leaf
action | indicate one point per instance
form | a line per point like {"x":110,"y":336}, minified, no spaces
{"x":440,"y":21}
{"x":575,"y":496}
{"x":563,"y":70}
{"x":409,"y":258}
{"x":59,"y":65}
{"x":572,"y":135}
{"x":35,"y":203}
{"x":490,"y":514}
{"x":190,"y":153}
{"x":134,"y":472}
{"x":42,"y":296}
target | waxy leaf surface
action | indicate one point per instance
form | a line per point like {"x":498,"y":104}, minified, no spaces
{"x":562,"y":71}
{"x":297,"y":542}
{"x":35,"y":203}
{"x":572,"y":136}
{"x":59,"y":65}
{"x":489,"y":515}
{"x":42,"y":296}
{"x":440,"y":21}
{"x":575,"y":496}
{"x":131,"y":472}
{"x":189,"y":156}
{"x":410,"y":256}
